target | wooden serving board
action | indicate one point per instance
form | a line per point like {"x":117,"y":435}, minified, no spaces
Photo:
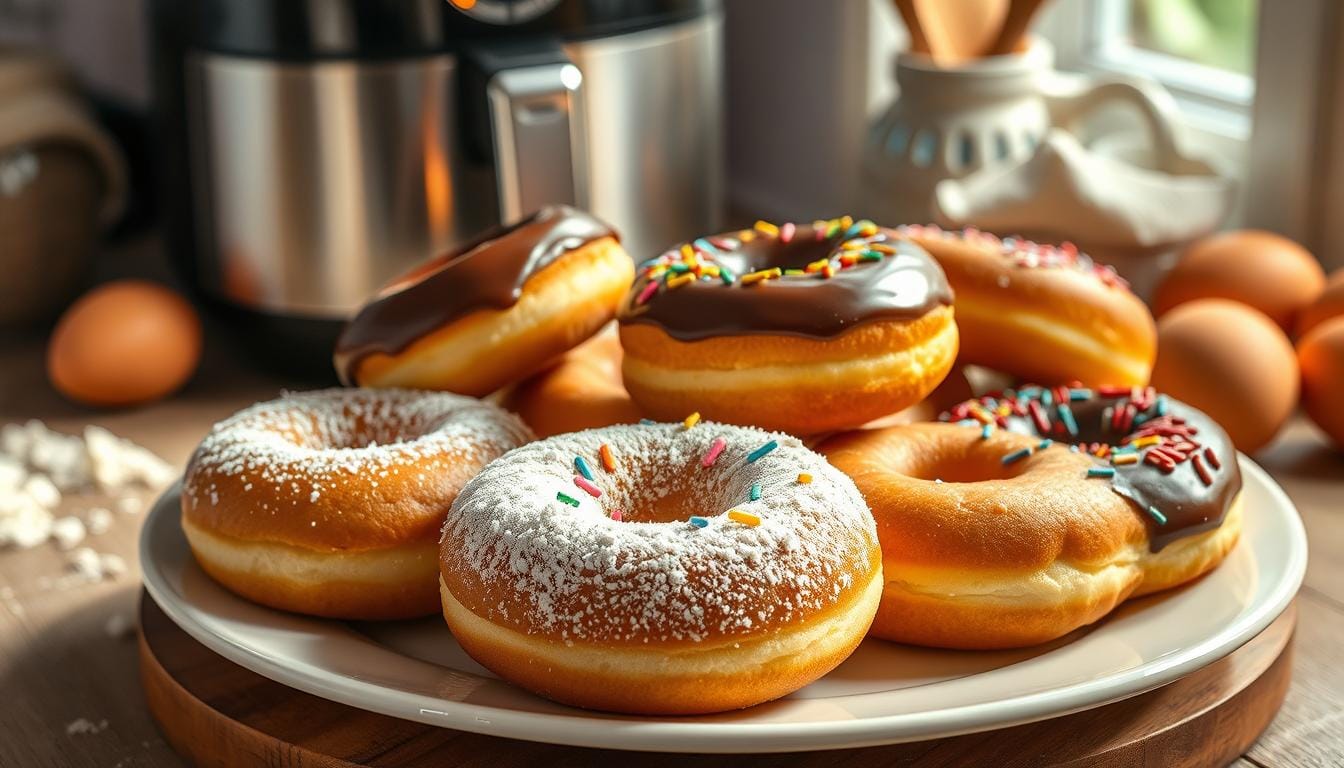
{"x":215,"y":713}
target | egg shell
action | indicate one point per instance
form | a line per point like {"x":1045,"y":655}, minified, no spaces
{"x":1320,"y":354}
{"x":1330,"y":303}
{"x":1259,"y":269}
{"x":126,"y":342}
{"x":1231,"y":362}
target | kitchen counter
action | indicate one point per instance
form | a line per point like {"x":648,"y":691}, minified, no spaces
{"x":69,"y":674}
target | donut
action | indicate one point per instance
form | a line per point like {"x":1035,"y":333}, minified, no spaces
{"x":329,"y":503}
{"x":803,"y":328}
{"x":491,"y":312}
{"x":660,"y":569}
{"x":996,"y":537}
{"x":582,"y":391}
{"x":1042,"y":313}
{"x":953,"y":389}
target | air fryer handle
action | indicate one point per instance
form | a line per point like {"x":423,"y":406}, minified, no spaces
{"x":539,"y":137}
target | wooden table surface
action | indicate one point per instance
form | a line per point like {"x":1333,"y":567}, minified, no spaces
{"x":61,"y":669}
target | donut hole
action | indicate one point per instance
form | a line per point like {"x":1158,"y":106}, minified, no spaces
{"x":658,"y":493}
{"x":350,"y":430}
{"x":662,"y":509}
{"x":959,"y":462}
{"x":965,"y":471}
{"x":366,"y":435}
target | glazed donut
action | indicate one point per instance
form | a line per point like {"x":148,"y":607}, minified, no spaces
{"x":329,"y":502}
{"x":802,"y":328}
{"x":582,"y":391}
{"x":995,"y":539}
{"x":492,"y":312}
{"x":953,"y":389}
{"x":719,"y":567}
{"x":1041,"y":312}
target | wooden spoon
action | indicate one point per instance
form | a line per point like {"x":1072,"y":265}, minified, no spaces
{"x":918,"y":43}
{"x":1013,"y":36}
{"x":958,"y":31}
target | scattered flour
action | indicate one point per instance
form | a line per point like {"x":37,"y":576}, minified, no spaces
{"x":84,"y":726}
{"x":67,"y":532}
{"x":118,"y":463}
{"x":118,"y":626}
{"x":94,"y":566}
{"x":39,"y":466}
{"x":99,"y":520}
{"x":41,"y":490}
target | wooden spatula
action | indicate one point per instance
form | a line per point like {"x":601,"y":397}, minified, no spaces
{"x":958,"y":31}
{"x":1012,"y":37}
{"x":918,"y":43}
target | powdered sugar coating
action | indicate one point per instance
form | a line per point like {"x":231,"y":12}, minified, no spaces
{"x":283,"y":455}
{"x":516,"y":555}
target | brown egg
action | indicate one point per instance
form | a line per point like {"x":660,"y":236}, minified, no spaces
{"x":1231,"y":362}
{"x":126,"y":342}
{"x":1259,"y":269}
{"x":1327,"y":305}
{"x":1321,"y":356}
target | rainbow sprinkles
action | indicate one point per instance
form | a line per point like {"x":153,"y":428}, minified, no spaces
{"x":587,"y":481}
{"x":863,"y":241}
{"x":1024,"y":253}
{"x":1164,"y":456}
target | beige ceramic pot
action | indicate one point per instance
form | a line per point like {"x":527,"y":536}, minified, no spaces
{"x":61,"y":181}
{"x":952,"y":122}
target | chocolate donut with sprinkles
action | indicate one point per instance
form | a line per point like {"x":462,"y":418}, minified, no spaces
{"x":1174,"y":463}
{"x":804,"y":328}
{"x":660,"y":568}
{"x":1040,"y":509}
{"x":1041,"y":312}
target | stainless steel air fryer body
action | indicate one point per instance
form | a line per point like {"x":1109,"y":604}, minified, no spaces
{"x":314,"y":179}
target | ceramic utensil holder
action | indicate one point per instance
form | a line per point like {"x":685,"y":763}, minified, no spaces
{"x":951,"y":122}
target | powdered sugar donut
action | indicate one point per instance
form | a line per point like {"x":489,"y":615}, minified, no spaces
{"x":660,"y":568}
{"x":329,"y":502}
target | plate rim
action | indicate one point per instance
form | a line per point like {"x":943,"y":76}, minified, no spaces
{"x":662,"y":735}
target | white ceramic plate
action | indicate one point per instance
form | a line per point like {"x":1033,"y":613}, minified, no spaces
{"x":885,"y":693}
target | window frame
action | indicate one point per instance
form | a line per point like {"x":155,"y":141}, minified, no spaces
{"x":1089,"y":36}
{"x":1285,"y":147}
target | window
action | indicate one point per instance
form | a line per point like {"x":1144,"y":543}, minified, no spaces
{"x":1260,"y":87}
{"x":1262,"y":94}
{"x":1219,"y":34}
{"x":1203,"y":51}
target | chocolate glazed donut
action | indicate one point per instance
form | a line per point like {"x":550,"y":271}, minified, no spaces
{"x":492,"y":311}
{"x":899,"y":281}
{"x":802,"y":328}
{"x":1040,"y":511}
{"x":1173,"y":462}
